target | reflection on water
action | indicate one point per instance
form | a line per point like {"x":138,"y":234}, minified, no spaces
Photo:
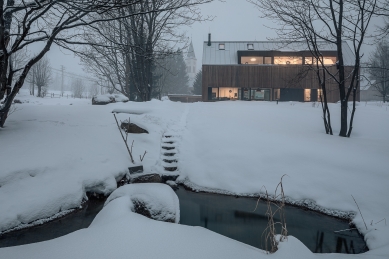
{"x":226,"y":215}
{"x":235,"y":218}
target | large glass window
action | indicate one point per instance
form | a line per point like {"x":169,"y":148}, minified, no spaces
{"x":215,"y":93}
{"x":329,"y":60}
{"x":288,"y":60}
{"x":326,"y":60}
{"x":252,"y":60}
{"x":307,"y":95}
{"x":246,"y":94}
{"x":319,"y":94}
{"x":309,"y":60}
{"x":257,"y":94}
{"x":228,"y":93}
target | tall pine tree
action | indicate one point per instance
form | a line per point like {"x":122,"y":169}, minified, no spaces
{"x":171,"y":75}
{"x":198,"y":83}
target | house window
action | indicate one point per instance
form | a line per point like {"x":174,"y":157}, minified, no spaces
{"x":222,"y":46}
{"x":309,"y":61}
{"x":329,"y":60}
{"x":326,"y":60}
{"x":288,"y":60}
{"x":307,"y":95}
{"x":251,"y":60}
{"x":250,"y":46}
{"x":319,"y":94}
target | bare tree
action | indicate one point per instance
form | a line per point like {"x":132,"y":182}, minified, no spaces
{"x":378,"y":69}
{"x":44,"y":23}
{"x":330,"y":22}
{"x":125,"y":52}
{"x":78,"y":88}
{"x":42,"y":76}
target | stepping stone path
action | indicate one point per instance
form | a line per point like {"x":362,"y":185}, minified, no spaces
{"x":169,"y":152}
{"x":170,"y":145}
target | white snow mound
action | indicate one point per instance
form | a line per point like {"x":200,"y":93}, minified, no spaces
{"x":159,"y":199}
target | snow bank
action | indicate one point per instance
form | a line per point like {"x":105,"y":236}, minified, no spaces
{"x":107,"y":98}
{"x":159,"y":199}
{"x":238,"y":147}
{"x":51,"y":154}
{"x":116,"y":232}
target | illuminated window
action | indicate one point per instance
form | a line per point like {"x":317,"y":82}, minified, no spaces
{"x":288,"y":60}
{"x":319,"y":94}
{"x":252,"y":60}
{"x":326,"y":60}
{"x":309,"y":60}
{"x":329,"y":60}
{"x":250,"y":46}
{"x":222,"y":46}
{"x":228,"y":93}
{"x":307,"y":95}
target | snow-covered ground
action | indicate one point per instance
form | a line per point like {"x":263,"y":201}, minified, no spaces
{"x":53,"y":150}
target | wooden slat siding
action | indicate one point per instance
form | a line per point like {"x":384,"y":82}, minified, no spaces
{"x":275,"y":76}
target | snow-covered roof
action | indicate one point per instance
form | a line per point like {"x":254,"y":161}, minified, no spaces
{"x":212,"y":55}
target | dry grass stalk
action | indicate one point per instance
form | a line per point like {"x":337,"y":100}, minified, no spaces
{"x":275,"y":206}
{"x":125,"y":140}
{"x":360,"y":211}
{"x":141,"y":157}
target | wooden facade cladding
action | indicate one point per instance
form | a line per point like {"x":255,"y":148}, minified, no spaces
{"x":266,"y":77}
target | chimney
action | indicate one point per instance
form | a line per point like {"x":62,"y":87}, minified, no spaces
{"x":209,"y":39}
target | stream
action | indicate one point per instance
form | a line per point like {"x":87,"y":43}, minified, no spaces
{"x":227,"y":215}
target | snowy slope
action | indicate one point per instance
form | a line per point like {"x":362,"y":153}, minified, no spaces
{"x":54,"y":150}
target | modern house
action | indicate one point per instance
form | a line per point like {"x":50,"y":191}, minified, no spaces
{"x":265,"y":70}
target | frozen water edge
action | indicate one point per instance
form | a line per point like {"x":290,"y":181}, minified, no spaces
{"x":305,"y":203}
{"x":39,"y":221}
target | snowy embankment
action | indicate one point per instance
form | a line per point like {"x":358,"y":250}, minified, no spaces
{"x":239,"y":147}
{"x":53,"y":152}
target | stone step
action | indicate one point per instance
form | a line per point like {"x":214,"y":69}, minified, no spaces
{"x":171,"y":169}
{"x":169,"y":148}
{"x":170,"y":161}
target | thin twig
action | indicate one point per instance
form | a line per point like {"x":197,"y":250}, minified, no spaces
{"x":359,"y":211}
{"x":124,"y":140}
{"x":381,"y":220}
{"x":141,"y":158}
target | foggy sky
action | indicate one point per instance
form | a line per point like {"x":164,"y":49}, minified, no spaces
{"x":235,"y":20}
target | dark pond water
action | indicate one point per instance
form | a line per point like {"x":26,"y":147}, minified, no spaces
{"x":226,"y":215}
{"x":236,"y":218}
{"x":56,"y":228}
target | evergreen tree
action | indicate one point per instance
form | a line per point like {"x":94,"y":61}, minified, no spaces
{"x":198,"y":83}
{"x":171,"y":76}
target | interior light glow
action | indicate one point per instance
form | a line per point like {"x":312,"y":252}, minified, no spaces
{"x":253,"y":59}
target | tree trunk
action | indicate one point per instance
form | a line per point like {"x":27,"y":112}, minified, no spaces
{"x":343,"y":118}
{"x":39,"y":91}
